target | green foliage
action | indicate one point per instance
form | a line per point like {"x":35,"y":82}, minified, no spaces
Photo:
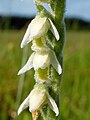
{"x":75,"y":88}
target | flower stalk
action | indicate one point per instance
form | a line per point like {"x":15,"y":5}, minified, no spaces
{"x":46,"y":32}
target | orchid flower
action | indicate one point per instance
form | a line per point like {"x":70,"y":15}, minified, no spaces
{"x":37,"y":28}
{"x":37,"y":98}
{"x":42,"y":59}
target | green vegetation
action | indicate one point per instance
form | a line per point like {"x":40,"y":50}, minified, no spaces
{"x":75,"y":87}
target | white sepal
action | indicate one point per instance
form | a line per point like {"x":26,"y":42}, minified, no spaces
{"x":24,"y":105}
{"x":55,"y":63}
{"x":26,"y":38}
{"x":53,"y":105}
{"x":28,"y":65}
{"x":54,"y":30}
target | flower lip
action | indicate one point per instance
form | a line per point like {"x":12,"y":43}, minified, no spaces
{"x":39,"y":44}
{"x":42,"y":75}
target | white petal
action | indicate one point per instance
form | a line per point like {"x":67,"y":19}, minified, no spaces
{"x":28,"y":65}
{"x":53,"y":105}
{"x":41,"y":60}
{"x":54,"y":30}
{"x":26,"y":38}
{"x":24,"y":105}
{"x":55,"y":63}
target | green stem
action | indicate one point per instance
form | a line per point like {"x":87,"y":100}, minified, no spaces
{"x":22,"y":77}
{"x":57,"y":11}
{"x":59,"y":45}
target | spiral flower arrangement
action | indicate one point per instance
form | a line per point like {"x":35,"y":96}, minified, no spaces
{"x":46,"y":60}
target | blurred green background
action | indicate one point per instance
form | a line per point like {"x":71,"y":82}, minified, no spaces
{"x":75,"y":87}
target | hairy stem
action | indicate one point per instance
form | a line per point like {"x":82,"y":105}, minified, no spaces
{"x":57,"y":12}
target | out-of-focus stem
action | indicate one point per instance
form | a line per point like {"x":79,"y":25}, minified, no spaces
{"x":22,"y":77}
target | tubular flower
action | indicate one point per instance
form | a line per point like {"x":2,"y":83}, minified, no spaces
{"x":37,"y":98}
{"x":42,"y":59}
{"x":37,"y":28}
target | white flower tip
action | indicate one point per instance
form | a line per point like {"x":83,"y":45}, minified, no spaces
{"x":57,"y":37}
{"x":19,"y":73}
{"x":25,"y":42}
{"x":54,"y":30}
{"x":28,"y":65}
{"x":19,"y":111}
{"x":24,"y":105}
{"x":57,"y":114}
{"x":53,"y":105}
{"x":55,"y":63}
{"x":21,"y":45}
{"x":59,"y":69}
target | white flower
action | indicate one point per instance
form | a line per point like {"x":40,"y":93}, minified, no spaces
{"x":42,"y":59}
{"x":37,"y":28}
{"x":38,"y":97}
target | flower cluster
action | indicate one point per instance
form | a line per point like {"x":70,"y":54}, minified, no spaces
{"x":41,"y":59}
